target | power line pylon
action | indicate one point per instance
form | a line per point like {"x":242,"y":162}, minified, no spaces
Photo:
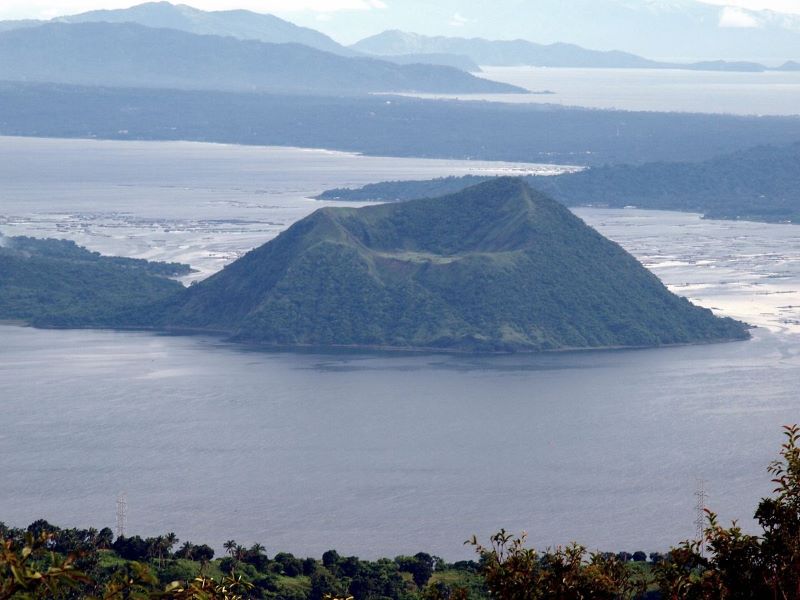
{"x":122,"y":513}
{"x":700,"y":517}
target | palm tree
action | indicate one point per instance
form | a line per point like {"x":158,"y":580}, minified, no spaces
{"x":230,"y":547}
{"x":257,"y":549}
{"x":153,"y":547}
{"x":169,"y":541}
{"x":105,"y":537}
{"x":186,"y":551}
{"x":91,"y":537}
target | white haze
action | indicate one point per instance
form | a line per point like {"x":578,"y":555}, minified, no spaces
{"x":43,"y":9}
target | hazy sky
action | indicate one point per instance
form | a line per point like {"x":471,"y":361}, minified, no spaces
{"x":19,"y":9}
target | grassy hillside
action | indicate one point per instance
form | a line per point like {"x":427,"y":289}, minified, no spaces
{"x":496,"y":267}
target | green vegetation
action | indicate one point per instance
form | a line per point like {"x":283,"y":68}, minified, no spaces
{"x":496,"y":267}
{"x":44,"y":561}
{"x":760,"y":184}
{"x":57,"y":283}
{"x":400,"y":191}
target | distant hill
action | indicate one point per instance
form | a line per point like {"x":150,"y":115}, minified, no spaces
{"x":499,"y":53}
{"x":760,"y":184}
{"x":790,"y":66}
{"x":689,"y":30}
{"x":128,"y":54}
{"x":496,"y":267}
{"x":57,"y":283}
{"x":524,"y":53}
{"x":720,"y":65}
{"x":242,"y":24}
{"x":465,"y":63}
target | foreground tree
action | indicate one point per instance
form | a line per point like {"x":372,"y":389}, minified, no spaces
{"x":515,"y":572}
{"x":780,"y":519}
{"x":31,"y":570}
{"x":739,"y":566}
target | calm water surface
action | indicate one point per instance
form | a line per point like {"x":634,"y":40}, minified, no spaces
{"x":380,"y":454}
{"x":770,"y":93}
{"x":375,"y":454}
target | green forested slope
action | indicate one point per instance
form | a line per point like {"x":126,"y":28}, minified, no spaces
{"x":56,"y":282}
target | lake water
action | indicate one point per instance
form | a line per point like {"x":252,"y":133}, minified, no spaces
{"x":769,"y":93}
{"x":375,"y":454}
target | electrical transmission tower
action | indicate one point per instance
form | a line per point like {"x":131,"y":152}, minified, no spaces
{"x":700,"y":517}
{"x":122,"y":514}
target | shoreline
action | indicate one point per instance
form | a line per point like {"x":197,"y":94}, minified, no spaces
{"x":225,"y":337}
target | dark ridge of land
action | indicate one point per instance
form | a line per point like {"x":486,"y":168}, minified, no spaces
{"x":513,"y":53}
{"x":759,"y":184}
{"x":385,"y":126}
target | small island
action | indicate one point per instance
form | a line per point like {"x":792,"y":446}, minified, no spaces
{"x":497,"y":267}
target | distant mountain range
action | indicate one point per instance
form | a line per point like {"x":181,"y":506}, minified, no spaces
{"x":247,"y":25}
{"x":496,"y":267}
{"x":759,"y":184}
{"x":499,"y":53}
{"x":241,"y":24}
{"x":669,"y":30}
{"x":664,"y":30}
{"x":524,"y":53}
{"x":128,"y":54}
{"x":407,"y":48}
